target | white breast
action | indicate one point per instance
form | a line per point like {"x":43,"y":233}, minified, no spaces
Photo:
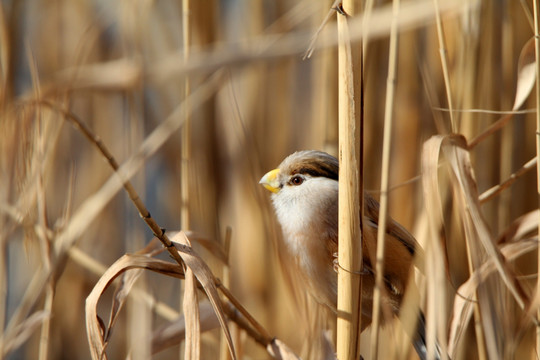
{"x":308,"y":217}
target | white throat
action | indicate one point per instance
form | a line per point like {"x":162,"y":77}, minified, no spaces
{"x":307,"y":212}
{"x":308,"y":217}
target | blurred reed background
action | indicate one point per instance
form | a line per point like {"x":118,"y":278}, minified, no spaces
{"x":121,"y":67}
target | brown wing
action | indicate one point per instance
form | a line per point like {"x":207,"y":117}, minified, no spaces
{"x":400,"y":250}
{"x":393,"y":228}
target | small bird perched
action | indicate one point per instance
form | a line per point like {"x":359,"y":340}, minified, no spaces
{"x":305,"y":199}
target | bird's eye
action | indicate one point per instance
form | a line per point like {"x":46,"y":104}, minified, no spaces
{"x":297,"y":180}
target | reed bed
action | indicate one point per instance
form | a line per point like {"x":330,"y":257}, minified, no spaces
{"x":133,"y":135}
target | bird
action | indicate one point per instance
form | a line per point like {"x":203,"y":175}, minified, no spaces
{"x":305,"y":200}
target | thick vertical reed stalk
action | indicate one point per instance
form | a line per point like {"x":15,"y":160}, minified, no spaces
{"x":537,"y":55}
{"x":186,"y":129}
{"x":385,"y":169}
{"x":350,"y":250}
{"x":192,"y":345}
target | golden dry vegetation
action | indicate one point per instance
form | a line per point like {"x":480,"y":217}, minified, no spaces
{"x":193,"y":102}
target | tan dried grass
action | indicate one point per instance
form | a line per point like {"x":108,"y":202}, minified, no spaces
{"x":468,"y":265}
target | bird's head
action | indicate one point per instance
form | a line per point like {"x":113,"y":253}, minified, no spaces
{"x":304,"y":189}
{"x":300,"y":167}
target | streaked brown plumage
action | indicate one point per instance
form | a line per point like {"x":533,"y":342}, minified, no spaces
{"x":305,"y":199}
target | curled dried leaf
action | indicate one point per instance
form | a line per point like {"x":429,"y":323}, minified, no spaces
{"x":470,"y":215}
{"x":521,"y":227}
{"x":205,"y":277}
{"x":525,"y":84}
{"x":463,"y":302}
{"x":96,"y":332}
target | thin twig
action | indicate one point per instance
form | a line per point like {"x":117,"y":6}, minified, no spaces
{"x":315,"y":36}
{"x":385,"y":170}
{"x":499,"y":124}
{"x":158,"y":231}
{"x":495,"y":190}
{"x":444,"y":63}
{"x":486,"y":111}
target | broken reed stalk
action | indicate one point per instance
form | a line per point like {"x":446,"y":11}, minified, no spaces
{"x":385,"y":170}
{"x":350,"y":248}
{"x":537,"y":58}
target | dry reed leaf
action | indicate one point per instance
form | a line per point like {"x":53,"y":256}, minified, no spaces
{"x":127,"y":280}
{"x":173,"y":333}
{"x":524,"y":225}
{"x":526,"y":79}
{"x":190,"y":306}
{"x":82,"y":259}
{"x":213,"y":247}
{"x":526,"y":76}
{"x":95,"y":329}
{"x":327,"y":347}
{"x":280,"y":351}
{"x":463,"y":303}
{"x":436,"y":263}
{"x":532,"y":310}
{"x":455,"y":148}
{"x":206,"y":279}
{"x":123,"y":289}
{"x":430,"y":182}
{"x":23,"y":331}
{"x":476,"y":229}
{"x":460,"y":163}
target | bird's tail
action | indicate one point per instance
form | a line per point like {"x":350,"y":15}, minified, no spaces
{"x":419,"y":342}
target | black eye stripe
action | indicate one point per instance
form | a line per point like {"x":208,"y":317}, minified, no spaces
{"x":312,"y":163}
{"x":319,"y":171}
